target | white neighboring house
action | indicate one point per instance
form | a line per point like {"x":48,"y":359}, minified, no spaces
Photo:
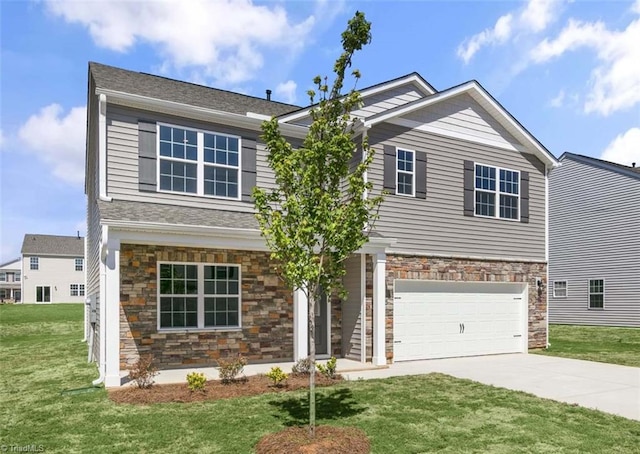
{"x":53,"y":269}
{"x":10,"y":281}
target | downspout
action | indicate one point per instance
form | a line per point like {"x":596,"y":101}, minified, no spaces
{"x":102,"y":368}
{"x":102,"y":147}
{"x":546,"y":242}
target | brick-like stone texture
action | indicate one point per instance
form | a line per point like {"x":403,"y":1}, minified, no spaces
{"x":267,"y":311}
{"x":431,"y":268}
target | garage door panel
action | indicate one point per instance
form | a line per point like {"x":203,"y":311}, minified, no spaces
{"x":457,"y":319}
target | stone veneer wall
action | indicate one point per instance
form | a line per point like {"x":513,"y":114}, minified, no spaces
{"x":267,"y":311}
{"x":431,"y":268}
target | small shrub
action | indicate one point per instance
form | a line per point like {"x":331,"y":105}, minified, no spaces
{"x":302,"y":366}
{"x":196,"y":381}
{"x":328,"y":370}
{"x":229,"y":369}
{"x":143,"y":371}
{"x":277,"y":376}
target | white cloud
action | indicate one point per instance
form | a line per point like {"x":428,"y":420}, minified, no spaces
{"x":558,"y":101}
{"x":615,"y":81}
{"x":224,"y":39}
{"x":533,"y":18}
{"x":286,"y":91}
{"x":624,"y":149}
{"x":58,"y":140}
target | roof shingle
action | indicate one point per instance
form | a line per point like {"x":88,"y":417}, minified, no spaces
{"x":72,"y":246}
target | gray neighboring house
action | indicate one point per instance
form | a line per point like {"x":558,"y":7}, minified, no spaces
{"x":10,"y":277}
{"x":176,"y":265}
{"x":53,"y":269}
{"x":594,"y":245}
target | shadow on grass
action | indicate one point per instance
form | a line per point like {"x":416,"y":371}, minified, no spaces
{"x":330,"y":404}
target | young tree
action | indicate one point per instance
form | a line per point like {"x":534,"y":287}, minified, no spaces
{"x":321,"y":209}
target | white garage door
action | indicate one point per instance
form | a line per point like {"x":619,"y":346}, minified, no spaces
{"x":440,"y":319}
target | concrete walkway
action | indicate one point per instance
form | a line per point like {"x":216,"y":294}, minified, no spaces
{"x":606,"y":387}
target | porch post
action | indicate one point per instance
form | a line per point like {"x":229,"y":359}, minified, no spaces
{"x":300,"y":325}
{"x":379,"y":312}
{"x":112,"y":315}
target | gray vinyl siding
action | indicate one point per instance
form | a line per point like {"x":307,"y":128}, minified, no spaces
{"x":463,"y":115}
{"x":594,"y":225}
{"x":437,"y":225}
{"x":94,"y":231}
{"x":379,"y":102}
{"x":351,"y":310}
{"x":122,"y":159}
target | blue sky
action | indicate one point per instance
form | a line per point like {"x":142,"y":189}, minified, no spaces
{"x":569,"y":71}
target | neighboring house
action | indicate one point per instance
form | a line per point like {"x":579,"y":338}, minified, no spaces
{"x":10,"y":274}
{"x":53,"y":269}
{"x":176,"y":265}
{"x":594,"y":252}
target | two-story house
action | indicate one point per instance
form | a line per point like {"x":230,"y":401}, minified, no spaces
{"x":176,"y":265}
{"x":10,"y":277}
{"x":594,"y":248}
{"x":53,"y":269}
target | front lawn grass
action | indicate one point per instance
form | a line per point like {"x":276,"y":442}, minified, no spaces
{"x":41,"y":354}
{"x":605,"y":344}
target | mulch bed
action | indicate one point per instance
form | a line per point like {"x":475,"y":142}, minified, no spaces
{"x":328,"y":439}
{"x":214,"y":390}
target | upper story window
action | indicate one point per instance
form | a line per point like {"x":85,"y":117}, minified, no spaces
{"x":17,"y":276}
{"x":3,"y":276}
{"x":560,"y":289}
{"x":34,"y":263}
{"x":79,"y":264}
{"x":198,"y":162}
{"x":497,"y":192}
{"x":596,"y":293}
{"x":199,"y":296}
{"x":405,"y":172}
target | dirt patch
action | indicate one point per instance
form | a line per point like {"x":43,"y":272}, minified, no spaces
{"x":214,"y":390}
{"x":328,"y":439}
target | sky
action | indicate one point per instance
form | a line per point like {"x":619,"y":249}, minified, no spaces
{"x":569,"y":71}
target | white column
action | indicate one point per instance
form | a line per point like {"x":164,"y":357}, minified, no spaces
{"x":112,"y":315}
{"x":300,"y":325}
{"x":379,"y":313}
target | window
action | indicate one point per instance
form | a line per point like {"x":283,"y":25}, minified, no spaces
{"x":199,"y":162}
{"x":43,"y":294}
{"x":199,"y":296}
{"x":497,"y":192}
{"x":34,"y":263}
{"x":76,"y":289}
{"x":560,"y":289}
{"x":79,"y":264}
{"x":405,"y":173}
{"x":17,"y":276}
{"x":596,"y":293}
{"x":3,"y":276}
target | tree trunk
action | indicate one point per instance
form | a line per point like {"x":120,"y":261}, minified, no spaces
{"x":312,"y":360}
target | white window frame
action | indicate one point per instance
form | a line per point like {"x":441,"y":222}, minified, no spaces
{"x":81,"y":262}
{"x":79,"y":290}
{"x":34,"y":263}
{"x":17,"y":276}
{"x":200,"y":296}
{"x":200,"y":163}
{"x":566,"y":289}
{"x":604,"y":291}
{"x":43,"y":287}
{"x":3,"y":276}
{"x":413,"y":173}
{"x":497,"y":192}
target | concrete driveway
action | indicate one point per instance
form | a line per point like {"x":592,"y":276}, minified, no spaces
{"x":606,"y":387}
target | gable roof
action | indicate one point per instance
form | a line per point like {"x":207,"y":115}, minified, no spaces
{"x":34,"y":244}
{"x":633,"y":172}
{"x":486,"y":101}
{"x":11,"y":262}
{"x":425,"y":87}
{"x":162,"y":88}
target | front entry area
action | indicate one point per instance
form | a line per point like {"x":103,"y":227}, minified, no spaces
{"x":440,"y":319}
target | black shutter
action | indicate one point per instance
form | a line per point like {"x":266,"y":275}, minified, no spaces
{"x":421,"y":175}
{"x":469,"y":186}
{"x":390,"y":168}
{"x":524,"y":197}
{"x":147,"y":156}
{"x":248,"y":168}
